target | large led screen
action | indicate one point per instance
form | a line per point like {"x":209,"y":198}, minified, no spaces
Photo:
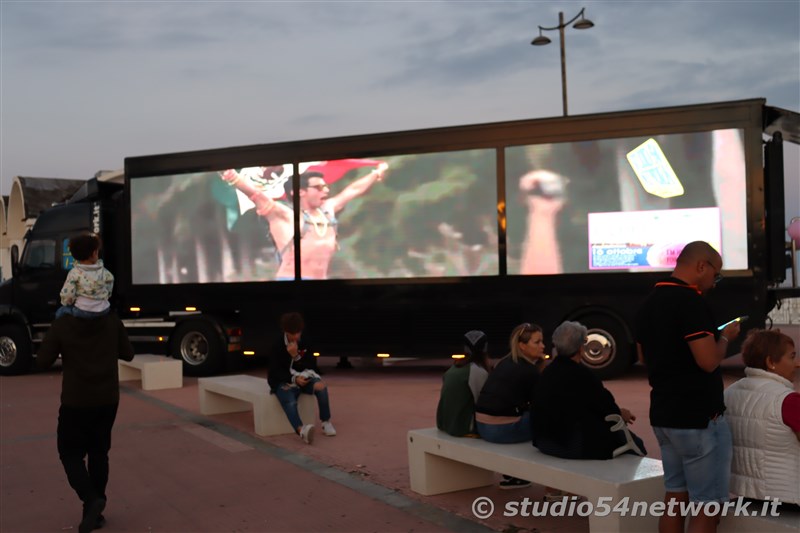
{"x":402,"y":216}
{"x":625,"y":204}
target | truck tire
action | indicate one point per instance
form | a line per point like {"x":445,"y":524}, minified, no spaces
{"x":15,"y":350}
{"x":608,"y":352}
{"x":198,"y":344}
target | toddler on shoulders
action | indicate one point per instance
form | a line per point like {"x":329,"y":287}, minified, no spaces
{"x":88,"y":286}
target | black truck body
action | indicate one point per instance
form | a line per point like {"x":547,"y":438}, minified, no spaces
{"x":415,"y":270}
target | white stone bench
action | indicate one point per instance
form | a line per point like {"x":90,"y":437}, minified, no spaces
{"x":155,"y":371}
{"x":440,"y":463}
{"x":232,"y":394}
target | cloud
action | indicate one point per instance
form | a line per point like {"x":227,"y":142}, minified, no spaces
{"x":89,"y":83}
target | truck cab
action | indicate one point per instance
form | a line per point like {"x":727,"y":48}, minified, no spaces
{"x":29,"y":299}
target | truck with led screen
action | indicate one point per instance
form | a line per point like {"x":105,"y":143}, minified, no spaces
{"x":397,"y":243}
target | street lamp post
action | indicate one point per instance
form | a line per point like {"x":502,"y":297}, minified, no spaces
{"x":582,"y":24}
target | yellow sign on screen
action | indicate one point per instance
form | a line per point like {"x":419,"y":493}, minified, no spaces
{"x":654,"y":171}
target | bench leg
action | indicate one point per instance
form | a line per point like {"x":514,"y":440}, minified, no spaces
{"x":270,"y":419}
{"x":128,"y":373}
{"x":431,"y":474}
{"x":640,"y":496}
{"x":212,"y":403}
{"x":162,"y":375}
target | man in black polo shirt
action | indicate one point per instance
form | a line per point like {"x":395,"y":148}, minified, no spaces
{"x":682,"y":349}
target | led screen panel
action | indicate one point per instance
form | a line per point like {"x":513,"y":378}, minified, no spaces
{"x":406,"y":216}
{"x":627,"y":204}
{"x":197,"y":228}
{"x":403,"y":216}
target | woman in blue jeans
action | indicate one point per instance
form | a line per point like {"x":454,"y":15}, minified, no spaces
{"x":292,"y":372}
{"x":502,"y":413}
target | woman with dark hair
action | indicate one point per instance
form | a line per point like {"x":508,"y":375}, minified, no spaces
{"x":461,"y":385}
{"x":763,"y":410}
{"x":502,"y":413}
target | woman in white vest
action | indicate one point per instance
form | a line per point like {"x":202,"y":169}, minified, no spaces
{"x":763,"y":411}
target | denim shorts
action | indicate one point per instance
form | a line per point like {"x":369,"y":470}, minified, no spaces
{"x":697,"y":461}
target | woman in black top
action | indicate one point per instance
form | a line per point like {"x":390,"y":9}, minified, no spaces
{"x":502,"y":410}
{"x":502,"y":413}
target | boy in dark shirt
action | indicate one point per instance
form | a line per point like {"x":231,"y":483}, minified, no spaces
{"x":293,"y":371}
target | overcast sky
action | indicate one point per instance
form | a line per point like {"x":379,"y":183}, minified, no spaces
{"x":85,"y":84}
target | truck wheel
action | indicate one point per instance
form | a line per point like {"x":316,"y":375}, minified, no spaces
{"x":608,"y":353}
{"x":15,"y":350}
{"x":199,"y":346}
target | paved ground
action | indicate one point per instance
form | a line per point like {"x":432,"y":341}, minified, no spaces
{"x":174,"y":470}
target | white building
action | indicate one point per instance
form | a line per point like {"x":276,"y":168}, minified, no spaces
{"x":29,"y":197}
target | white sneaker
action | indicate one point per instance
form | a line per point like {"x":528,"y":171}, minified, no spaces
{"x":328,"y":429}
{"x":307,"y":433}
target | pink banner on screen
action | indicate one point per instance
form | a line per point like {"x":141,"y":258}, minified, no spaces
{"x":647,"y":240}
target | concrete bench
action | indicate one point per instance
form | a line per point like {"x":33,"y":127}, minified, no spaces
{"x":232,"y":394}
{"x":155,"y":371}
{"x":439,"y":463}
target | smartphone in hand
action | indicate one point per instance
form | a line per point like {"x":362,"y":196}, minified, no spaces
{"x":728,"y":323}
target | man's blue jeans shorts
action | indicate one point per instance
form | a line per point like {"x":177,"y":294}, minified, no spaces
{"x":697,"y":461}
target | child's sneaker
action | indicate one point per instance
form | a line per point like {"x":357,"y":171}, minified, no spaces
{"x":513,"y":483}
{"x":307,"y":433}
{"x":328,"y":429}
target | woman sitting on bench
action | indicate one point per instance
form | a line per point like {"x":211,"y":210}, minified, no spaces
{"x":461,"y":385}
{"x":574,"y":416}
{"x":502,"y":413}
